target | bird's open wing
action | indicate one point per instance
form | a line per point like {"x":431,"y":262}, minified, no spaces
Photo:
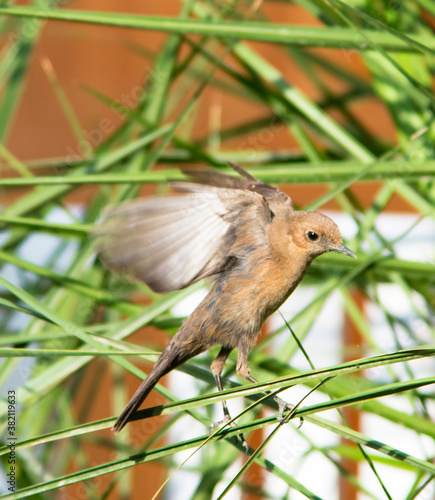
{"x":171,"y":242}
{"x":276,"y":199}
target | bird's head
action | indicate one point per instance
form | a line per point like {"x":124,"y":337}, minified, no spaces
{"x":315,"y":234}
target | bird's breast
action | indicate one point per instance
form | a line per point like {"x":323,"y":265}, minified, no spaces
{"x":277,"y":279}
{"x":242,"y":299}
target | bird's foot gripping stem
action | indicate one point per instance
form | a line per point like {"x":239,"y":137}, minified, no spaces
{"x":216,"y":425}
{"x":283,"y":407}
{"x":224,"y":422}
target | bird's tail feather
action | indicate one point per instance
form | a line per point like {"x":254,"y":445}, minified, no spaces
{"x":170,"y":359}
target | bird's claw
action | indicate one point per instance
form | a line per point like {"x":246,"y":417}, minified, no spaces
{"x":243,"y":442}
{"x":222,"y":423}
{"x":282,"y":407}
{"x":226,"y":420}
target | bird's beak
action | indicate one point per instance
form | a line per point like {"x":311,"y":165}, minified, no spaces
{"x":342,"y":249}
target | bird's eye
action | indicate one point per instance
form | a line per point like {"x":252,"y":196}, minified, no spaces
{"x":312,"y":236}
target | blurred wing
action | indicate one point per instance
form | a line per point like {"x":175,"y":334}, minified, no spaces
{"x":276,"y":199}
{"x":172,"y":242}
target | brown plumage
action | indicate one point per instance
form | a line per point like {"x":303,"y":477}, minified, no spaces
{"x":241,"y":231}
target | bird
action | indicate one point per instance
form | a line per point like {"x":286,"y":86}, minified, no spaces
{"x":243,"y":233}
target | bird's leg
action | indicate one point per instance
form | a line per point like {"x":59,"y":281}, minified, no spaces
{"x":244,"y":371}
{"x":217,"y":368}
